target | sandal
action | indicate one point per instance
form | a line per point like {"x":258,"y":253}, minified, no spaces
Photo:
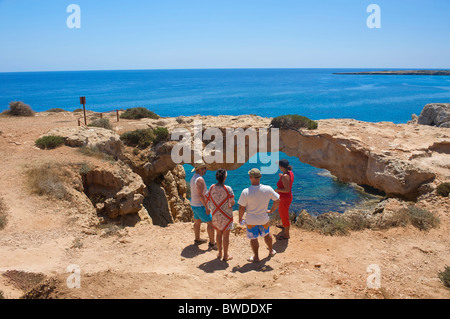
{"x":252,"y":259}
{"x":228,"y":258}
{"x":212,"y":246}
{"x":272,"y":253}
{"x":200,"y":241}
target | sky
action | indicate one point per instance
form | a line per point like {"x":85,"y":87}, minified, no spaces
{"x":192,"y":34}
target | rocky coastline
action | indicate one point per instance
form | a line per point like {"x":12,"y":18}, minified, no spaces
{"x":401,"y":72}
{"x":136,"y":193}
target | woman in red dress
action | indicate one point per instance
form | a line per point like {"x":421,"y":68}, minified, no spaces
{"x":285,"y":190}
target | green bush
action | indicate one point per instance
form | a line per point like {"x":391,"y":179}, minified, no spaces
{"x":445,"y":277}
{"x":138,"y":138}
{"x":19,"y":109}
{"x":443,"y":189}
{"x":49,"y":142}
{"x":104,"y":123}
{"x":136,"y":113}
{"x":145,"y":137}
{"x":161,"y":134}
{"x":293,"y":122}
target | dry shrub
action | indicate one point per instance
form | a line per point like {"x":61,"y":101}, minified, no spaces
{"x":444,"y":276}
{"x":24,"y":280}
{"x":103,"y":123}
{"x":3,"y":214}
{"x":47,"y":180}
{"x":19,"y":109}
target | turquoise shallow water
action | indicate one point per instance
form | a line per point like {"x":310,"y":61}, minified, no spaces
{"x":315,"y":93}
{"x":314,"y":189}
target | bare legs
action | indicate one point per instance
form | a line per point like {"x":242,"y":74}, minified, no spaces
{"x":223,"y":242}
{"x":209,"y":230}
{"x":255,"y":247}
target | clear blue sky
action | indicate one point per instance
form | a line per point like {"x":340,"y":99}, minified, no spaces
{"x":160,"y":34}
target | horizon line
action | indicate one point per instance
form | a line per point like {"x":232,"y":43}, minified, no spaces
{"x":231,"y":68}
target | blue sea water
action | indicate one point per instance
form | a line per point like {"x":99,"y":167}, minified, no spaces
{"x":315,"y":93}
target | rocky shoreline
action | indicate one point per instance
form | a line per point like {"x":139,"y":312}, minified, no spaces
{"x":402,"y":72}
{"x":125,"y":219}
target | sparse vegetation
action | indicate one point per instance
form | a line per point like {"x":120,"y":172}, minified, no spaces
{"x":136,"y":113}
{"x":341,"y":224}
{"x":330,"y":224}
{"x":56,"y":110}
{"x":443,"y":189}
{"x":3,"y":214}
{"x":444,"y":276}
{"x":293,"y":122}
{"x":49,"y":142}
{"x":138,"y":138}
{"x":46,"y":180}
{"x":92,"y":151}
{"x":110,"y":229}
{"x":145,"y":137}
{"x":103,"y":123}
{"x":422,"y":218}
{"x":161,"y":134}
{"x":84,"y":168}
{"x":19,"y":109}
{"x":24,"y":280}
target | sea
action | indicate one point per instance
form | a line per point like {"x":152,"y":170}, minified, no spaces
{"x":314,"y":93}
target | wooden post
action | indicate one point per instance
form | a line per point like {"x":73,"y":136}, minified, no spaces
{"x":83,"y":101}
{"x":117,"y":112}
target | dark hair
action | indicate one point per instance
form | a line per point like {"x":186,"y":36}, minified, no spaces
{"x":220,"y":176}
{"x":285,"y":164}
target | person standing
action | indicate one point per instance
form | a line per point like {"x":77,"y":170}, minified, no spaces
{"x":198,"y":204}
{"x":254,"y":202}
{"x":220,"y":201}
{"x":284,"y":188}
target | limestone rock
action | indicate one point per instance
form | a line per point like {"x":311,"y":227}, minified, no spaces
{"x":105,"y":140}
{"x":115,"y":190}
{"x":174,"y":184}
{"x":435,"y":114}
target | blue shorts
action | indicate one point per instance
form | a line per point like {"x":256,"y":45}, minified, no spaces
{"x":200,"y":213}
{"x":254,"y":231}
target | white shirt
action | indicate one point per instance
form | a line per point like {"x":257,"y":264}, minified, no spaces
{"x":195,"y":196}
{"x":256,"y":200}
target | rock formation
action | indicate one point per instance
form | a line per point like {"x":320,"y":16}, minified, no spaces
{"x":399,"y":160}
{"x":107,"y":141}
{"x":435,"y":114}
{"x":115,"y":190}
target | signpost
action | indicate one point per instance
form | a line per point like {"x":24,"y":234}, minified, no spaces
{"x":83,"y":101}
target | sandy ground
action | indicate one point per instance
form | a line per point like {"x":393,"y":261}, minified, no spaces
{"x":147,"y":261}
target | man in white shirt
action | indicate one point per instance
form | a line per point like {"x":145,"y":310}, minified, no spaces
{"x":254,"y":201}
{"x":199,"y":207}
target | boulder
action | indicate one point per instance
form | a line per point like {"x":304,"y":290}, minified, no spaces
{"x":105,"y":140}
{"x":115,"y":190}
{"x":435,"y":114}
